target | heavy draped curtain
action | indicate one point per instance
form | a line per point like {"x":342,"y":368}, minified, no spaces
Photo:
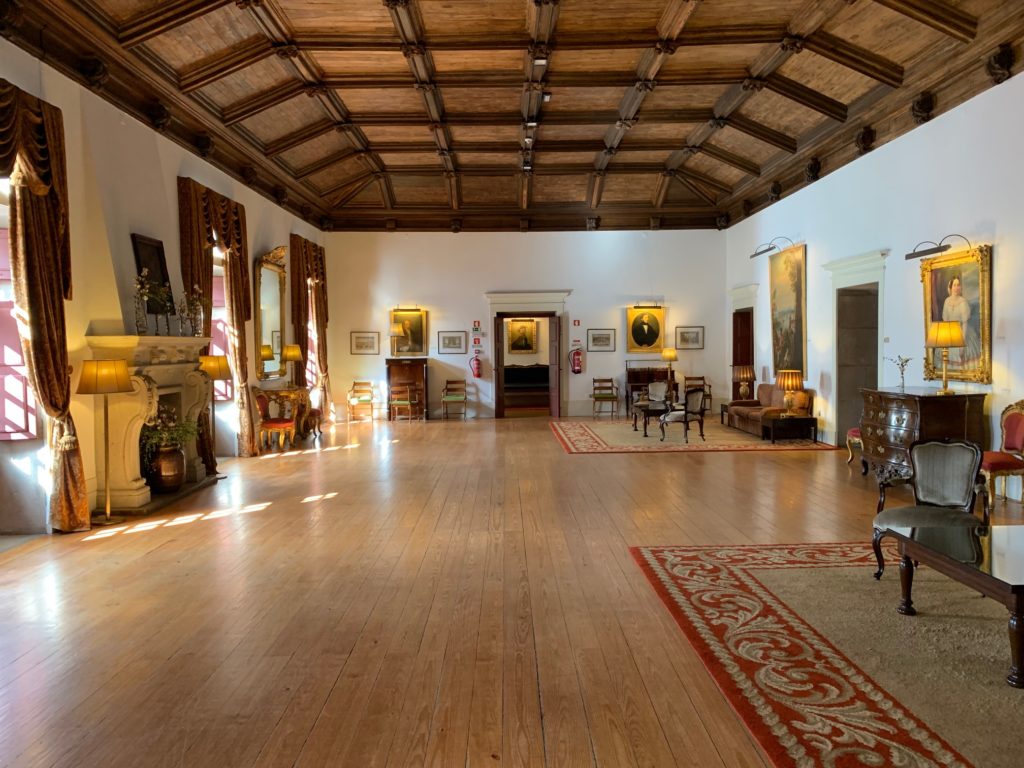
{"x":207,"y":218}
{"x":309,"y":294}
{"x":32,"y":155}
{"x":300,"y":249}
{"x":317,"y":269}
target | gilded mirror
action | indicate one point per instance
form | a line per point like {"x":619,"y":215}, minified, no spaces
{"x":268,"y":289}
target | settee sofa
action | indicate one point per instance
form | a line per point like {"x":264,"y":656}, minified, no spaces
{"x":749,"y":415}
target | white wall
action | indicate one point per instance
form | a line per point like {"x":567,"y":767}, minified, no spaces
{"x":448,"y":274}
{"x":122,"y":178}
{"x":960,"y":173}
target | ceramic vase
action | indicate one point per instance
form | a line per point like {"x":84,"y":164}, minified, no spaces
{"x":167,"y":469}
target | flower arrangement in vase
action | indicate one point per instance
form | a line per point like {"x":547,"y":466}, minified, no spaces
{"x":194,"y":308}
{"x":143,"y":288}
{"x":161,"y":442}
{"x":901,"y":363}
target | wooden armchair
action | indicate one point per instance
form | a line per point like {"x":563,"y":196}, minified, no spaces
{"x":362,"y":398}
{"x":269,"y":425}
{"x":694,"y":403}
{"x":605,"y":392}
{"x":454,"y":393}
{"x":689,"y":382}
{"x":400,"y":399}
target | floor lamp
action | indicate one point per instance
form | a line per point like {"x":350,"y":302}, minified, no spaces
{"x":105,"y":377}
{"x":217,"y":368}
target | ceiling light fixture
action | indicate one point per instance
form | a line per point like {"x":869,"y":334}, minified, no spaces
{"x":770,"y":246}
{"x":940,"y":247}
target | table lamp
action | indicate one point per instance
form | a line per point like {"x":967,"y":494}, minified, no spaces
{"x":217,"y":368}
{"x":744,"y":374}
{"x":291,"y":354}
{"x":105,"y":377}
{"x":668,"y":354}
{"x":789,"y":381}
{"x":943,"y":335}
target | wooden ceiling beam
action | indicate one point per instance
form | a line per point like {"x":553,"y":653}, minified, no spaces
{"x":808,"y":97}
{"x":947,"y":19}
{"x":661,"y":191}
{"x":687,"y":174}
{"x":225,"y":64}
{"x":164,"y":17}
{"x":297,"y":138}
{"x":243,"y":110}
{"x":855,"y":58}
{"x":762,"y":132}
{"x":740,"y":163}
{"x":355,"y":187}
{"x":697,"y":189}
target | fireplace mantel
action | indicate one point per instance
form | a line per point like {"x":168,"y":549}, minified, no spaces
{"x":160,"y":365}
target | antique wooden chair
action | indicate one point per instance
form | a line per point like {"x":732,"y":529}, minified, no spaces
{"x":689,"y":382}
{"x":362,"y":398}
{"x":400,"y":399}
{"x":694,"y":404}
{"x":605,"y":392}
{"x":454,"y":393}
{"x":946,"y":480}
{"x":270,"y":425}
{"x":1009,"y":459}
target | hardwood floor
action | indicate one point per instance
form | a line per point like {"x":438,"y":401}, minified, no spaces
{"x":439,"y":593}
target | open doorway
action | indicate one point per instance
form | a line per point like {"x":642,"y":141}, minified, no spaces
{"x":527,"y":355}
{"x":742,"y":345}
{"x":856,"y":352}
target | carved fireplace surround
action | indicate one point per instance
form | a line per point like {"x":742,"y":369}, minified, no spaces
{"x":162,"y":367}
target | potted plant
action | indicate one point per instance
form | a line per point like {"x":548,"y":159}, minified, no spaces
{"x":161,"y":443}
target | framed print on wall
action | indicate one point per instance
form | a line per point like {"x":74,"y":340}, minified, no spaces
{"x":522,"y":337}
{"x":958,"y":286}
{"x":787,"y":274}
{"x":452,"y":342}
{"x":600,"y":339}
{"x":408,"y":332}
{"x":364,"y":343}
{"x":645,"y":329}
{"x":689,"y":337}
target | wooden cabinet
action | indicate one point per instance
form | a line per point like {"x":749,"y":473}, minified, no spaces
{"x":411,"y":371}
{"x":640,"y":373}
{"x":893,"y":419}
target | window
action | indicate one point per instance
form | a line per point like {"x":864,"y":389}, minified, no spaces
{"x":17,"y":401}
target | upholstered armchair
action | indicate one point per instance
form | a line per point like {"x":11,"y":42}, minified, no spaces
{"x":690,"y":410}
{"x":268,"y":426}
{"x":946,"y":481}
{"x":1009,"y":459}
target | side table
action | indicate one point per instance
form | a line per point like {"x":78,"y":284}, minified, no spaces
{"x":725,"y":412}
{"x":790,"y":427}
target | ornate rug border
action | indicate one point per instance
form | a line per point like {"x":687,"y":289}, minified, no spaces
{"x":766,"y":726}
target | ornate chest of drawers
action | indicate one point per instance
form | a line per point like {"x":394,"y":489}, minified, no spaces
{"x":893,"y":419}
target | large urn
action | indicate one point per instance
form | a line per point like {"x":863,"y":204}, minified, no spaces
{"x":167,"y":469}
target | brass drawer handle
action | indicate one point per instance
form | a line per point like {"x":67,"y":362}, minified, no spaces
{"x":879,"y":449}
{"x":901,"y":420}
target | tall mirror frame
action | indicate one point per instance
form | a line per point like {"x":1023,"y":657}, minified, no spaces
{"x":269,"y":282}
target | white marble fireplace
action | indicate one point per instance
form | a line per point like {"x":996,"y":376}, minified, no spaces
{"x":161,"y":367}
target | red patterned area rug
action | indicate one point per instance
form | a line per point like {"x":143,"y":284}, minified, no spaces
{"x":619,"y":437}
{"x":813,"y":657}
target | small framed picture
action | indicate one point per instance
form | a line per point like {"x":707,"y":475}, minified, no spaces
{"x":600,"y":339}
{"x":689,"y":337}
{"x":451,"y":342}
{"x":364,"y":342}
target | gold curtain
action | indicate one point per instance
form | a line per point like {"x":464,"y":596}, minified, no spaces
{"x":317,"y":274}
{"x":206,"y":217}
{"x":32,"y":155}
{"x":300,"y":249}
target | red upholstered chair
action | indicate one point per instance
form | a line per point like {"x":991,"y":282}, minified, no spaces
{"x":269,"y":425}
{"x":1009,"y":459}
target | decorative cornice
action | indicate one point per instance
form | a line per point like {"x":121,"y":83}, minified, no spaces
{"x":204,"y":143}
{"x":159,"y":116}
{"x":792,"y":43}
{"x":922,"y":107}
{"x":775,"y":192}
{"x":722,"y":221}
{"x":249,"y":175}
{"x":1000,"y":64}
{"x":94,"y":70}
{"x":286,"y":50}
{"x":865,"y":140}
{"x":812,"y":171}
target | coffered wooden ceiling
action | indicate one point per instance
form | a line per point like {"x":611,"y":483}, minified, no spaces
{"x":527,"y":114}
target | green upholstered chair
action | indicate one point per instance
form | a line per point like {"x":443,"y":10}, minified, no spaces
{"x":400,"y":400}
{"x":362,"y":398}
{"x":454,"y":394}
{"x":605,"y":392}
{"x":946,"y":480}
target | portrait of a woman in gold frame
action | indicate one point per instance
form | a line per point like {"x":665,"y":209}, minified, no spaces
{"x":958,"y":286}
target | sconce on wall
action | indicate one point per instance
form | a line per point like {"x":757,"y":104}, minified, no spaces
{"x":770,"y":246}
{"x":940,"y":247}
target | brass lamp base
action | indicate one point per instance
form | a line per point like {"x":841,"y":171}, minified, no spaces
{"x":744,"y":391}
{"x":945,"y":382}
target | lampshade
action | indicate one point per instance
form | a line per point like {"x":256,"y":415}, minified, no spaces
{"x":743,"y":373}
{"x":101,"y":377}
{"x":397,"y":330}
{"x":945,"y":333}
{"x":789,"y":381}
{"x":668,"y":354}
{"x":291,"y":354}
{"x":215,"y":366}
{"x":266,"y":352}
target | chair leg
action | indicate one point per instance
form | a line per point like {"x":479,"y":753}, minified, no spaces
{"x":849,"y":449}
{"x":863,"y":465}
{"x":701,"y":422}
{"x":876,"y":544}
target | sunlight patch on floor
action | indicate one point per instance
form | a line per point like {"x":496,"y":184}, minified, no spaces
{"x":150,"y":525}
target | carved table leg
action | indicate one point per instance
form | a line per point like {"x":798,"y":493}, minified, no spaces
{"x":1016,"y":626}
{"x":634,"y":422}
{"x":647,"y":418}
{"x":906,"y":606}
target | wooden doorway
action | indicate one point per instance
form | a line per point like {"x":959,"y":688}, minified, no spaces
{"x":856,"y":352}
{"x":532,"y":386}
{"x":742,"y":343}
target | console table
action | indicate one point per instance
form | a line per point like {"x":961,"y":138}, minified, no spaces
{"x":892,"y":419}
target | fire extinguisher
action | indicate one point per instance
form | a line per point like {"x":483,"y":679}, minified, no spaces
{"x":576,"y":360}
{"x":475,"y":366}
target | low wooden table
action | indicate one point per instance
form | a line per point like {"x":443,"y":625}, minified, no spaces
{"x":790,"y":427}
{"x":646,"y":408}
{"x":989,"y":559}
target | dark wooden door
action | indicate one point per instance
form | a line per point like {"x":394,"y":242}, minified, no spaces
{"x":742,"y":342}
{"x":554,"y":364}
{"x":499,"y":367}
